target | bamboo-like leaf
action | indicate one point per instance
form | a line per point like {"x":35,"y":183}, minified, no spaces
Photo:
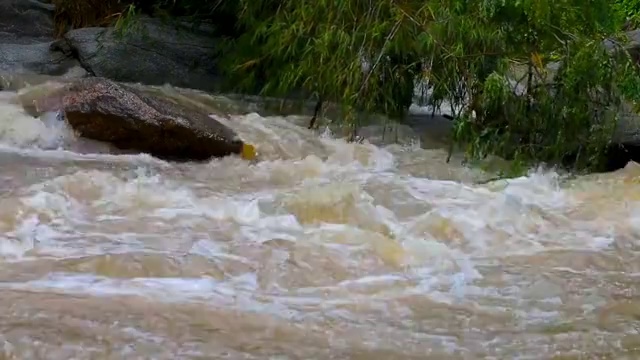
{"x":468,"y":51}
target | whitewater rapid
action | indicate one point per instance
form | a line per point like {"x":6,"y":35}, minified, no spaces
{"x":322,"y":249}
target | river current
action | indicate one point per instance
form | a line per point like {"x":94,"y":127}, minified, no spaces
{"x":321,"y":250}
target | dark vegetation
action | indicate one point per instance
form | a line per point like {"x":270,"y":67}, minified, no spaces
{"x":470,"y":53}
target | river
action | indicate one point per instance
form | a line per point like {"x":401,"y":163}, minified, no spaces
{"x":321,"y":250}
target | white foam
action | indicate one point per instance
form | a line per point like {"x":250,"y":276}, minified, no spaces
{"x":50,"y":137}
{"x":16,"y":243}
{"x":21,"y":130}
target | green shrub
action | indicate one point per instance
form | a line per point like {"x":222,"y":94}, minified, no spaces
{"x":629,"y":10}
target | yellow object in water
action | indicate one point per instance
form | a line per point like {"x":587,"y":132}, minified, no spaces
{"x":248,"y":152}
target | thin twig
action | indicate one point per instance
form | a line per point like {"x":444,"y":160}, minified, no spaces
{"x":391,"y":35}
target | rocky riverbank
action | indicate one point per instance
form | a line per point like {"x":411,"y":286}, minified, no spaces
{"x":155,"y":54}
{"x":178,"y":54}
{"x":104,"y":109}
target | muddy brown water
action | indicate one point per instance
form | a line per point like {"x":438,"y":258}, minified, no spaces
{"x":322,"y":250}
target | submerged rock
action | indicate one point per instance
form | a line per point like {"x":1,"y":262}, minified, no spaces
{"x":103,"y":110}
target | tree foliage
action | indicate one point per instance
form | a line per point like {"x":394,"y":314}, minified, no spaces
{"x":629,"y":10}
{"x":467,"y":51}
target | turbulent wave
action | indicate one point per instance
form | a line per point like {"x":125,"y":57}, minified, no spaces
{"x":322,"y":249}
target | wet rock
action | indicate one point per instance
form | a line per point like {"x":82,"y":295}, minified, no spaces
{"x":632,"y":45}
{"x":153,"y":53}
{"x":37,"y":58}
{"x":25,"y":21}
{"x":103,"y":110}
{"x":27,"y":45}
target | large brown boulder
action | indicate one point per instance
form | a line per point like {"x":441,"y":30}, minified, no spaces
{"x":103,"y":110}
